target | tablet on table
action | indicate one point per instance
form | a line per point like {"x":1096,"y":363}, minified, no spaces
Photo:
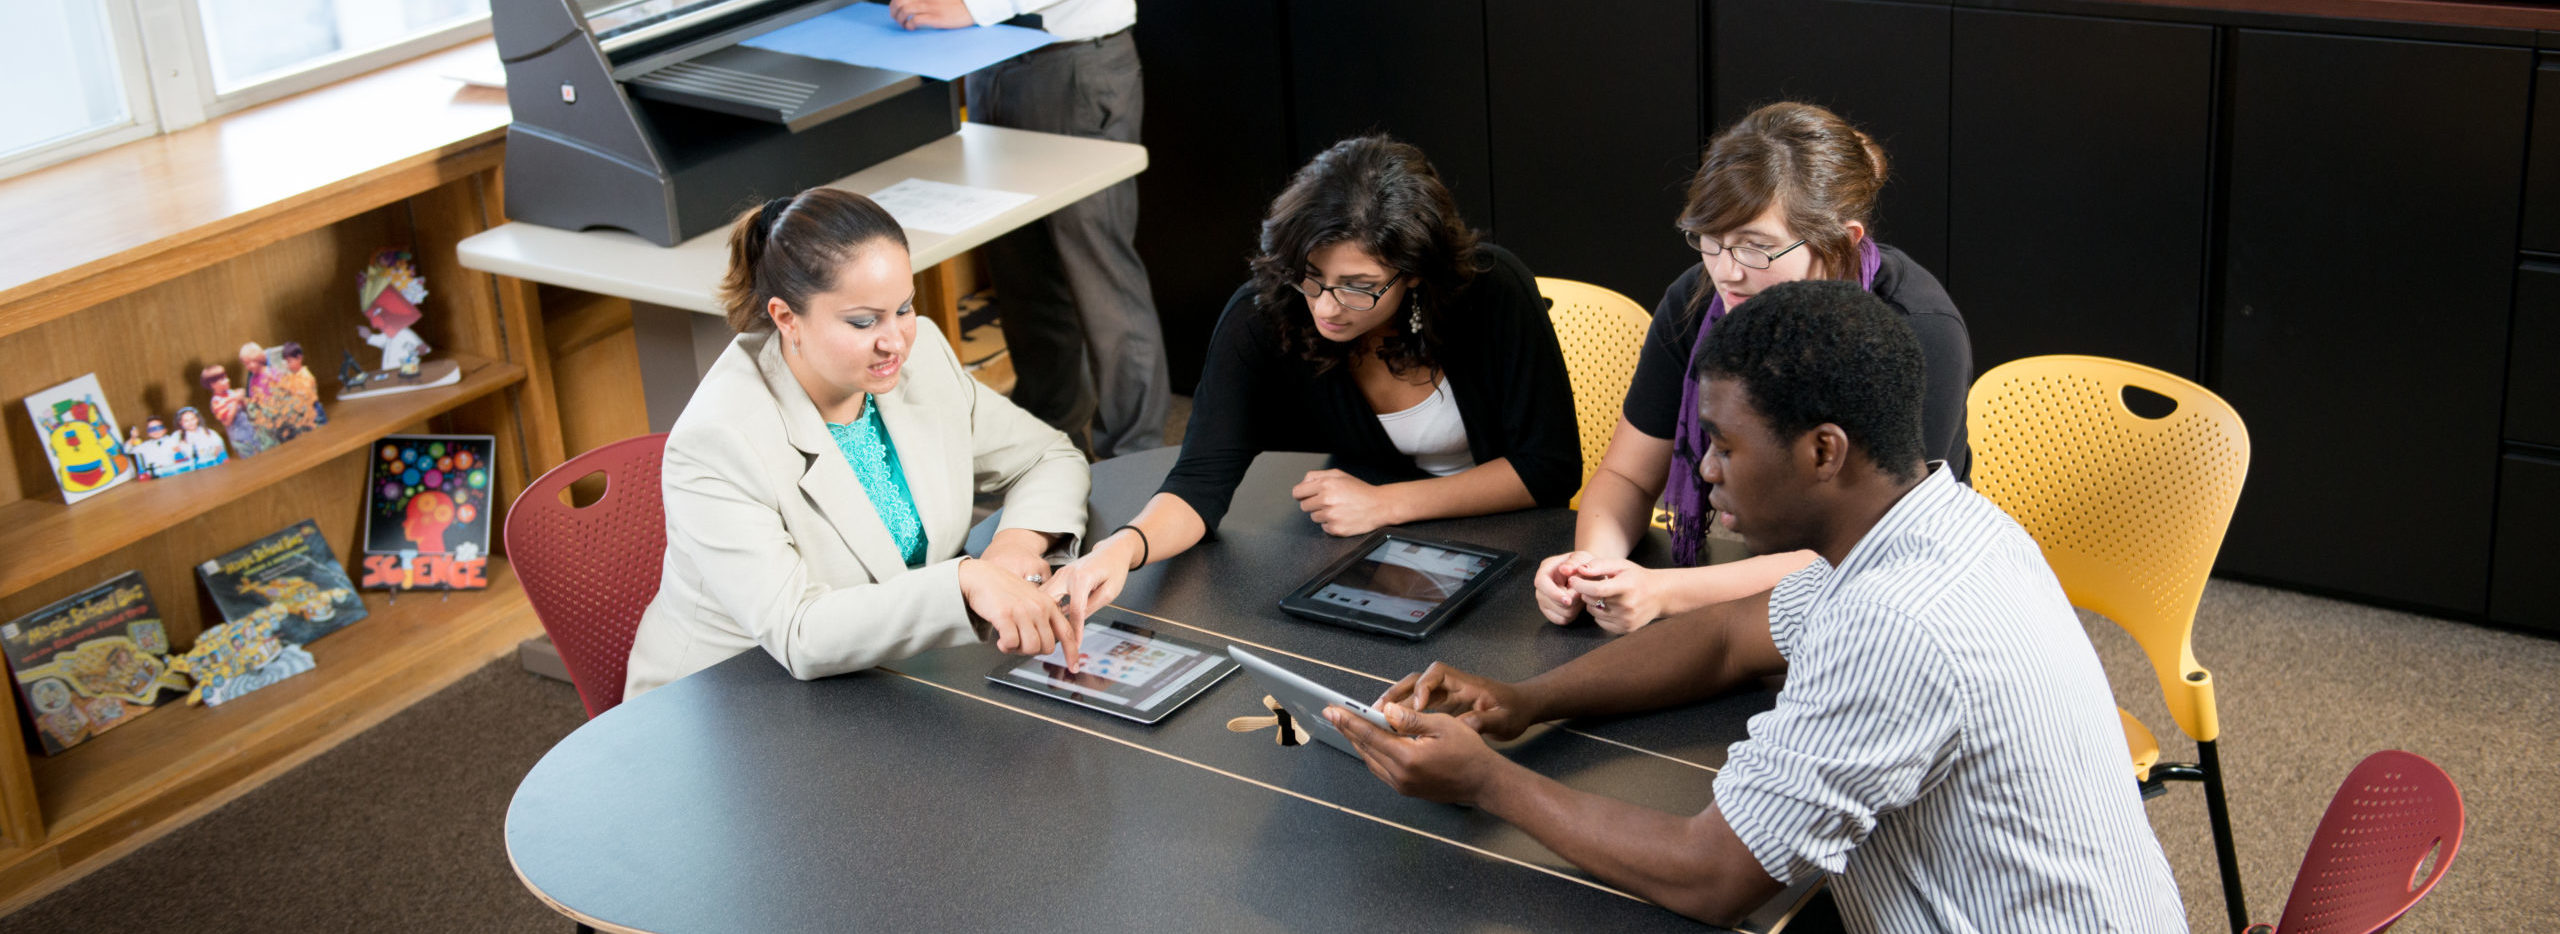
{"x":1399,"y":584}
{"x":1128,"y":670}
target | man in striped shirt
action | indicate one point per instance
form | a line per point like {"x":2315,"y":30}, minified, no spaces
{"x":1945,"y":747}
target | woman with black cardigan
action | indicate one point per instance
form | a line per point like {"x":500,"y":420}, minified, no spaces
{"x":1376,"y":329}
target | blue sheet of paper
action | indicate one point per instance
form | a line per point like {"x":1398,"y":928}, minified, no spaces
{"x":863,"y":34}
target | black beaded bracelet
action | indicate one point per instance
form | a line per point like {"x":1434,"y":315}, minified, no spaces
{"x":1145,"y":547}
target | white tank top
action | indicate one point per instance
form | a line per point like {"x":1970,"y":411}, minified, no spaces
{"x":1432,"y":433}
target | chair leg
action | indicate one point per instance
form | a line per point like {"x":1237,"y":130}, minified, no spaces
{"x":2224,"y":852}
{"x":584,"y":929}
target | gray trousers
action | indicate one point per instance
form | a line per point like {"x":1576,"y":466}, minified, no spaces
{"x":1079,"y":319}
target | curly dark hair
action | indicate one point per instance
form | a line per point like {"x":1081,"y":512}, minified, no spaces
{"x":1384,"y":197}
{"x":1823,"y":350}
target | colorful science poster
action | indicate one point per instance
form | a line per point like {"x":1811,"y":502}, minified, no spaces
{"x":80,"y":438}
{"x":427,"y":516}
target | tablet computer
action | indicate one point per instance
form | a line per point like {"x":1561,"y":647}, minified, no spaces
{"x":1399,"y":584}
{"x":1128,"y":670}
{"x":1306,"y":700}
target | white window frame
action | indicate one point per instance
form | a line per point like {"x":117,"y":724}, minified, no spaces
{"x":168,"y":76}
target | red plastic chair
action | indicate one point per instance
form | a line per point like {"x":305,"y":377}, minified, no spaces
{"x":590,"y":570}
{"x":2364,"y":867}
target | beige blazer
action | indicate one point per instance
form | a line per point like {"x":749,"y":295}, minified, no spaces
{"x":772,"y":543}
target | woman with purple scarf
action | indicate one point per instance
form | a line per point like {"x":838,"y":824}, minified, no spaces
{"x":1787,"y":193}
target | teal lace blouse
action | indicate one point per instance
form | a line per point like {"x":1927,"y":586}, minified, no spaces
{"x":866,"y":446}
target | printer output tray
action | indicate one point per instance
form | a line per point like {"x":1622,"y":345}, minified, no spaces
{"x":775,"y":87}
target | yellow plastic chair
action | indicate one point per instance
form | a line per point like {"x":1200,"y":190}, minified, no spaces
{"x":2131,"y":512}
{"x":1602,"y":333}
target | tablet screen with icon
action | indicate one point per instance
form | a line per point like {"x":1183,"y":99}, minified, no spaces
{"x":1128,"y":670}
{"x":1399,"y":584}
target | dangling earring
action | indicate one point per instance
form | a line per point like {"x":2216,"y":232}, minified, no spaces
{"x":1417,"y":314}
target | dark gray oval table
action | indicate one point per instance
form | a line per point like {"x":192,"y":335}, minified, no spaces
{"x":919,"y":796}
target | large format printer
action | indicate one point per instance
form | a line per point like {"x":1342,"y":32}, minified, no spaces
{"x":649,"y":116}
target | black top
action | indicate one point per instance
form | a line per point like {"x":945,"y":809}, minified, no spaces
{"x":1501,"y":358}
{"x":1946,"y":355}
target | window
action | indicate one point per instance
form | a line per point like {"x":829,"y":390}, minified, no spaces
{"x":132,"y":68}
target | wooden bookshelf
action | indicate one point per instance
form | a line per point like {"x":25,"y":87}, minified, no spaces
{"x":146,"y":263}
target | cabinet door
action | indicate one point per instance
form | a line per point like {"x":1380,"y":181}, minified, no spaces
{"x":2525,"y":587}
{"x":1414,"y":70}
{"x":2542,"y":181}
{"x":1595,"y":135}
{"x":1881,"y":65}
{"x":2374,"y":190}
{"x":2077,"y":186}
{"x":1218,"y":147}
{"x":2533,"y":359}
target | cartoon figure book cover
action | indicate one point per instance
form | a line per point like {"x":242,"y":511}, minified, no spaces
{"x":91,"y":661}
{"x":291,"y":577}
{"x":427,"y":515}
{"x":80,"y":438}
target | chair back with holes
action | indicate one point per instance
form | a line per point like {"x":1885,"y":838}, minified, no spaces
{"x":2368,"y":862}
{"x":2130,"y":510}
{"x":1602,"y":333}
{"x":590,"y":571}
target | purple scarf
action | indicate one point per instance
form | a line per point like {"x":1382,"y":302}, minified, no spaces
{"x":1686,"y":496}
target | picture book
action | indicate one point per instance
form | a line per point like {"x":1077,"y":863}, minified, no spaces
{"x":290,"y":577}
{"x":80,"y":438}
{"x":427,"y":516}
{"x":277,"y":399}
{"x":91,"y":661}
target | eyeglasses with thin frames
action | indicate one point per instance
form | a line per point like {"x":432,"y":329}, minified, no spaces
{"x":1350,"y":297}
{"x":1751,"y":257}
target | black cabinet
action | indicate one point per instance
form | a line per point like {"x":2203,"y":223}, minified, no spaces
{"x":1414,"y":70}
{"x":2525,"y":587}
{"x":2078,"y":186}
{"x":1881,"y":65}
{"x":2533,"y":357}
{"x":2542,"y":181}
{"x":2368,"y":282}
{"x":1594,"y":136}
{"x":1217,"y":135}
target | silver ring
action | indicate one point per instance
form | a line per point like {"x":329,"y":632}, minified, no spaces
{"x":1034,"y":578}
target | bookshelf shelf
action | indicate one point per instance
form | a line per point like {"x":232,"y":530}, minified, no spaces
{"x":44,"y":537}
{"x":175,"y":756}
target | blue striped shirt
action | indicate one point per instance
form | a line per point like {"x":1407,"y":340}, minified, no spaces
{"x":1946,"y":746}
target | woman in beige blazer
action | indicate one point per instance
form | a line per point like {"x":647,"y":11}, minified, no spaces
{"x":818,"y":485}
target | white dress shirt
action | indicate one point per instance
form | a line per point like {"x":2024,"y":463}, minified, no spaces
{"x":1946,"y":747}
{"x":1066,"y":19}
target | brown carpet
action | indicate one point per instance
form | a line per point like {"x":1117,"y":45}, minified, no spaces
{"x":400,"y":828}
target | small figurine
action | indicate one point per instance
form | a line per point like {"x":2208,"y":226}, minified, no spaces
{"x":390,"y":291}
{"x":351,"y":374}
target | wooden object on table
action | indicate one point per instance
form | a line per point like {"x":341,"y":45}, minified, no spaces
{"x":157,"y":258}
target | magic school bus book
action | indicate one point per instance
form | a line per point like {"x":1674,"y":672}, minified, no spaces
{"x":426,"y":513}
{"x":91,"y":661}
{"x":291,"y":577}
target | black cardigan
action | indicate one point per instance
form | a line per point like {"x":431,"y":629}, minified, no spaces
{"x":1499,"y":352}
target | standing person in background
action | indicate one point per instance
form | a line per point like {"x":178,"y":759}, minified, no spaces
{"x":1079,"y":318}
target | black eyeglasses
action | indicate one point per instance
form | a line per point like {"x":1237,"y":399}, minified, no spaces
{"x":1753,"y":257}
{"x":1352,"y":297}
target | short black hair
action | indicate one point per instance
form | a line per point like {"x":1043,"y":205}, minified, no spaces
{"x":1818,"y":351}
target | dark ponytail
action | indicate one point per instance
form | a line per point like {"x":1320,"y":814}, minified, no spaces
{"x":791,"y":247}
